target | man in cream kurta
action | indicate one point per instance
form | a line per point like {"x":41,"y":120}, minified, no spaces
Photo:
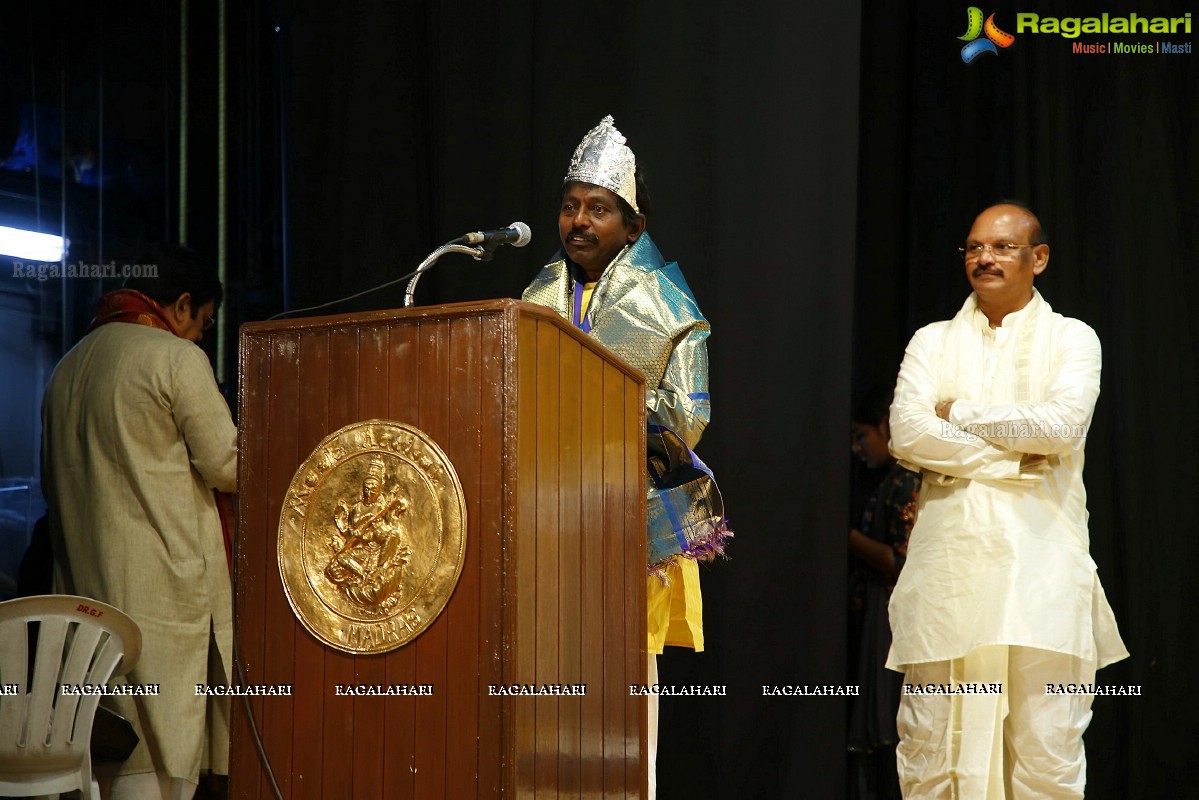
{"x":136,"y":438}
{"x":999,"y":588}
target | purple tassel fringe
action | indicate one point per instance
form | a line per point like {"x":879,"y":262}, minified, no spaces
{"x":706,"y":548}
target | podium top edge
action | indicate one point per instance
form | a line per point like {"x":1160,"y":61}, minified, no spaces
{"x":500,"y":307}
{"x":441,"y":310}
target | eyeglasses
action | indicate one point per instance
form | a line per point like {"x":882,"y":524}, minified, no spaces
{"x":209,"y":322}
{"x":1004,"y":251}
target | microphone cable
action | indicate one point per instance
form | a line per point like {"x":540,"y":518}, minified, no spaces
{"x":355,"y":296}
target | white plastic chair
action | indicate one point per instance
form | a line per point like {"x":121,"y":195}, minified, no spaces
{"x":45,"y":733}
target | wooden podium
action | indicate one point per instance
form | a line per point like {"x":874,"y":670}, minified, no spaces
{"x":546,"y":431}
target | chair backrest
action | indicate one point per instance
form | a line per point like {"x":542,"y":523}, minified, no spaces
{"x":81,"y":642}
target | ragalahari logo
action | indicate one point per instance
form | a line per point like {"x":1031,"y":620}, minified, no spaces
{"x":974,"y":27}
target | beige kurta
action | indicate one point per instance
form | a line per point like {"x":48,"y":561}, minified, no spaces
{"x":136,"y":437}
{"x":999,"y":555}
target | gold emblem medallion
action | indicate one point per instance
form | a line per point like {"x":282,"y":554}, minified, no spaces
{"x":372,"y":536}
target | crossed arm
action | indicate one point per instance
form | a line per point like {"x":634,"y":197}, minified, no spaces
{"x":969,"y":439}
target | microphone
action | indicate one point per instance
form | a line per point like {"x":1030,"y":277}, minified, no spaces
{"x":517,"y":234}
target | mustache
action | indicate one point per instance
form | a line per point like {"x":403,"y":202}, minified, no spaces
{"x":585,"y":234}
{"x":987,"y":270}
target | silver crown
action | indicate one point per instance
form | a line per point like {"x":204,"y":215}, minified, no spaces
{"x":603,"y":159}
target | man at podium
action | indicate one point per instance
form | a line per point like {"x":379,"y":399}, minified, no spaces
{"x":610,"y":280}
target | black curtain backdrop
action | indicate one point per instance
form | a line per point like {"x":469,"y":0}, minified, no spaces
{"x":1103,"y":148}
{"x":409,"y":124}
{"x":813,"y":167}
{"x":812,"y":170}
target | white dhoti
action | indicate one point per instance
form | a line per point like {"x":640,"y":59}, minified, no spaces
{"x":652,"y":737}
{"x":1020,"y":742}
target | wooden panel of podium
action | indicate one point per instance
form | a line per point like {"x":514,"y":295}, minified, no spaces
{"x":546,"y":431}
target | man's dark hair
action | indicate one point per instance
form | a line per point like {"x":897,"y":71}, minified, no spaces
{"x":1038,"y":232}
{"x":179,"y":270}
{"x":872,"y":407}
{"x":626,"y":211}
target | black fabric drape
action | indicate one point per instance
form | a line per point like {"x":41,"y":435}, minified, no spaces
{"x":813,"y":166}
{"x":409,"y":124}
{"x":1102,"y":146}
{"x":412,"y":123}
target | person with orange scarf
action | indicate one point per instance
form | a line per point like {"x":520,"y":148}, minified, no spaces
{"x":136,"y":438}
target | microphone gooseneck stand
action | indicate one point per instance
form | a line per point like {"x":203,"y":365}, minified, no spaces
{"x":481,"y":253}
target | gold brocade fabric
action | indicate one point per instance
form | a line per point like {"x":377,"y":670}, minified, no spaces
{"x":642,"y":309}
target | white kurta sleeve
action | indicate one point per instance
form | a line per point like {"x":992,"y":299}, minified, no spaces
{"x":920,"y":438}
{"x":1057,"y":425}
{"x":203,"y":418}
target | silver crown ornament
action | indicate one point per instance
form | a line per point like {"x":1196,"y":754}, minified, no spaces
{"x":603,"y":159}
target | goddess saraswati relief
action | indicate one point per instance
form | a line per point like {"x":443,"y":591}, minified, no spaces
{"x":372,"y":536}
{"x":369,"y":548}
